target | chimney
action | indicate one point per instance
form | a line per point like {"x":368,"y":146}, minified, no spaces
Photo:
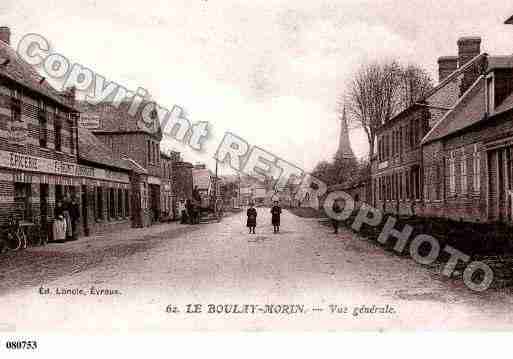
{"x":468,"y":48}
{"x":69,"y":94}
{"x":5,"y":34}
{"x":446,"y":66}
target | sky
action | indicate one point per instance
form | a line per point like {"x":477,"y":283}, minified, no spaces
{"x":269,"y":71}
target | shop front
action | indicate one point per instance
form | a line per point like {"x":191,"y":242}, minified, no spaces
{"x":30,"y":188}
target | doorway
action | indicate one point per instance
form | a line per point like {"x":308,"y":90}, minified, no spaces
{"x":85,"y":217}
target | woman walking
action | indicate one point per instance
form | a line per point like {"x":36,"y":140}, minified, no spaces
{"x":252,"y":215}
{"x":276,"y":214}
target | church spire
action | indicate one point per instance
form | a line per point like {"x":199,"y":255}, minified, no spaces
{"x":344,"y":151}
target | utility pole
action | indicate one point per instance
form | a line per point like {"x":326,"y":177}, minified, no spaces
{"x":215,"y":190}
{"x":239,"y":201}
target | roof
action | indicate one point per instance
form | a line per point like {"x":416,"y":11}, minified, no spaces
{"x":500,"y":62}
{"x":397,"y":117}
{"x":135,"y":166}
{"x":115,"y":117}
{"x":509,"y":21}
{"x":91,"y":149}
{"x":469,"y":110}
{"x":23,"y":73}
{"x":506,"y":105}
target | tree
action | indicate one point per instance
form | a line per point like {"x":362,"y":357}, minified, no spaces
{"x":378,"y":91}
{"x":326,"y":172}
{"x":414,"y":84}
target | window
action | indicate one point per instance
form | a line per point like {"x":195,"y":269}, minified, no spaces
{"x":464,"y":172}
{"x":58,"y":131}
{"x":452,"y":174}
{"x":72,"y":129}
{"x":149,"y":151}
{"x":59,"y":193}
{"x":490,"y":94}
{"x":392,"y":146}
{"x":99,"y":203}
{"x":401,"y":130}
{"x":43,"y":130}
{"x":120,"y":203}
{"x":476,"y":169}
{"x":22,"y":199}
{"x":112,"y":207}
{"x":438,"y":182}
{"x":408,"y":185}
{"x":127,"y":204}
{"x":15,"y":106}
{"x":509,"y":164}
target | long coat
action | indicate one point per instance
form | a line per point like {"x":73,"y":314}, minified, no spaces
{"x":276,"y":213}
{"x":252,"y":215}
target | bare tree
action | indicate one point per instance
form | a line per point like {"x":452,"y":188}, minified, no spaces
{"x":414,"y":84}
{"x":378,"y":91}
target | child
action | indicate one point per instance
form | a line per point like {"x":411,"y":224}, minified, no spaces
{"x":276,"y":213}
{"x":252,"y":215}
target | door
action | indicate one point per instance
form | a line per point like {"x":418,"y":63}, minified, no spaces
{"x":43,"y":210}
{"x":84,"y":216}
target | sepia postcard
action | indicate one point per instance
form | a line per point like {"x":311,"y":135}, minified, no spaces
{"x":254,"y":166}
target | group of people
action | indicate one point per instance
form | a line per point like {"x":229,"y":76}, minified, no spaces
{"x":67,"y":218}
{"x":189,"y":212}
{"x":275,"y":217}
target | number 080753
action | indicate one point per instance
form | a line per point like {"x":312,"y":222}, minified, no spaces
{"x":21,"y":345}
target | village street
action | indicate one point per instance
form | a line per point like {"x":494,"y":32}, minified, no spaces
{"x":153,"y":274}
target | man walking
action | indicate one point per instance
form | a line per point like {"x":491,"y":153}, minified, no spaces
{"x":337,"y":210}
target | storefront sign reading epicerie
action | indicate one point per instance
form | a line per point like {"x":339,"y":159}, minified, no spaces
{"x":37,"y":164}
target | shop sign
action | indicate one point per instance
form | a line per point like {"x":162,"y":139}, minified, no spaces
{"x":23,"y":162}
{"x":153,"y":180}
{"x":90,"y":122}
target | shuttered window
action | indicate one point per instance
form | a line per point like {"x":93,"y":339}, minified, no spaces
{"x":476,"y":169}
{"x":452,"y":174}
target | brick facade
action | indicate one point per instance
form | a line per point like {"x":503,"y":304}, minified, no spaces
{"x":396,"y":168}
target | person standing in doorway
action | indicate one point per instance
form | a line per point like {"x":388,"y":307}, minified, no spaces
{"x":276,"y":216}
{"x":182,"y":211}
{"x":252,"y":215}
{"x":59,"y":224}
{"x":74,"y":214}
{"x":66,"y":214}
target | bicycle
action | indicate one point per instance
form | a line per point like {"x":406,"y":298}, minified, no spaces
{"x":16,"y":238}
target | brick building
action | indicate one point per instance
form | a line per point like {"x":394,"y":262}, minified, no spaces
{"x":105,"y":203}
{"x":468,"y":153}
{"x":40,"y":159}
{"x":182,"y":178}
{"x":399,"y":169}
{"x":129,"y":137}
{"x":167,"y":196}
{"x":459,"y":137}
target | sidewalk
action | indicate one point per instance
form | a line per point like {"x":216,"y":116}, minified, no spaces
{"x":109,"y":239}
